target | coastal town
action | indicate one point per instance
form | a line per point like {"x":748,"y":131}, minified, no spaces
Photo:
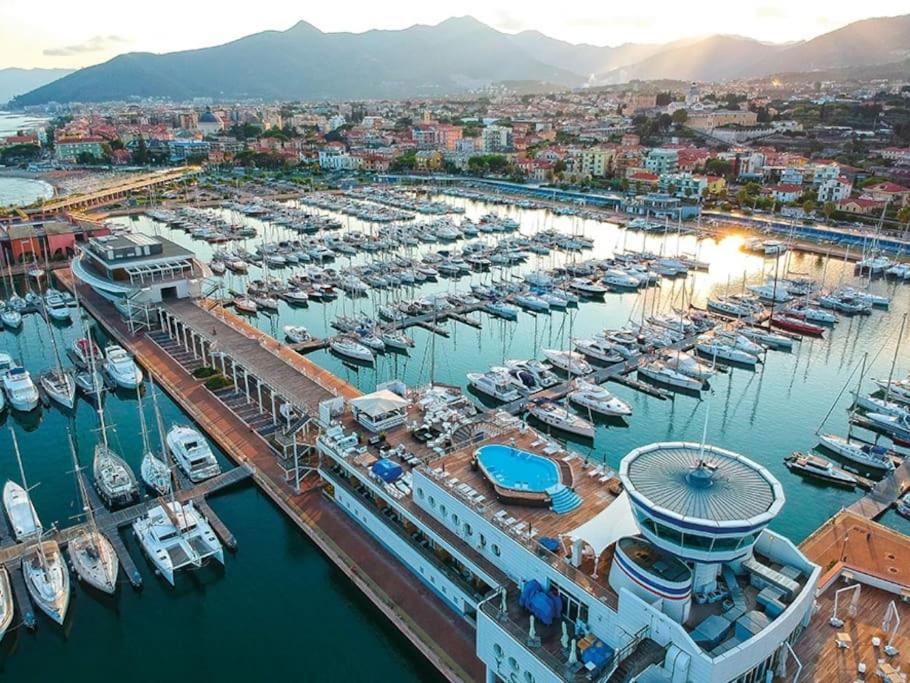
{"x":517,"y":383}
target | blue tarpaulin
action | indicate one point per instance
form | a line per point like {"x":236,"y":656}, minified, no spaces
{"x":387,"y":470}
{"x":545,"y":606}
{"x":551,"y":544}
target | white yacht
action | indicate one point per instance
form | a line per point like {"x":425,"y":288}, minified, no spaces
{"x":7,"y":607}
{"x":767,"y":338}
{"x":619,"y":279}
{"x":600,"y":349}
{"x":349,"y":348}
{"x":121,"y":367}
{"x":571,"y":362}
{"x":496,"y":383}
{"x":296,"y":334}
{"x":897,"y":427}
{"x":598,"y":400}
{"x":541,"y":375}
{"x":556,"y":416}
{"x":769,"y":292}
{"x":20,"y":512}
{"x":586,"y":287}
{"x":532,"y":302}
{"x":502,"y":309}
{"x":664,"y":373}
{"x":11,"y":318}
{"x":56,"y":307}
{"x":739,"y":341}
{"x":717,"y":349}
{"x":94,"y":560}
{"x":689,"y":365}
{"x":47,"y":579}
{"x":192,"y":453}
{"x":865,"y":454}
{"x":898,"y":389}
{"x":880,"y":405}
{"x":18,"y":385}
{"x":155,"y":472}
{"x":735,"y":306}
{"x":175,"y":535}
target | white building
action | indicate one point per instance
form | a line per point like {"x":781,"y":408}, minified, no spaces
{"x":336,"y":159}
{"x":496,"y":139}
{"x":834,"y":189}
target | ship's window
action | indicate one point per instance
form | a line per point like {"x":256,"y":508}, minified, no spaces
{"x":496,"y":550}
{"x":420,"y":493}
{"x":728,"y":543}
{"x":529,"y":677}
{"x":668,"y":533}
{"x":442,"y":511}
{"x":432,"y":502}
{"x":497,"y":650}
{"x":697,"y":541}
{"x":468,"y":531}
{"x":483,"y":541}
{"x":748,"y":539}
{"x":513,"y":663}
{"x":454,"y":519}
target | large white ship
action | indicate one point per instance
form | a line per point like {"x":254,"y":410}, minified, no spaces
{"x":664,"y":569}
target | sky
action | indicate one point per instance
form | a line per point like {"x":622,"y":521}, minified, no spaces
{"x":69,"y":34}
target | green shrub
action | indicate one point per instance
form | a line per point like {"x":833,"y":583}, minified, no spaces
{"x":217,"y":382}
{"x":203,"y":372}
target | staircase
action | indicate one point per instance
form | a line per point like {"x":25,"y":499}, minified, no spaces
{"x":736,"y":592}
{"x":564,"y":500}
{"x":646,"y":653}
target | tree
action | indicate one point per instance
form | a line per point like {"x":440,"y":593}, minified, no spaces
{"x":808,"y":206}
{"x":680,"y":116}
{"x":903,"y":216}
{"x":141,"y":155}
{"x":720,"y":167}
{"x":828,"y":209}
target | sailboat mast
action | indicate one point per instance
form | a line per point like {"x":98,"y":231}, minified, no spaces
{"x":897,"y":347}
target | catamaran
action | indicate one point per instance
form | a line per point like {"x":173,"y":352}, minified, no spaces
{"x":192,"y":453}
{"x":175,"y":535}
{"x":598,"y":400}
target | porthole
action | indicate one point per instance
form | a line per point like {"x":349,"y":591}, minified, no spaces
{"x":420,"y":493}
{"x":432,"y":502}
{"x":513,"y":663}
{"x":496,"y":550}
{"x":497,"y":650}
{"x":529,"y":677}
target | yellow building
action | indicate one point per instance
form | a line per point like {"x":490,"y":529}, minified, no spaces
{"x":716,"y":184}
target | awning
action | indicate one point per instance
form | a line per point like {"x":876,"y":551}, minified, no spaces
{"x":379,"y":403}
{"x":608,"y":526}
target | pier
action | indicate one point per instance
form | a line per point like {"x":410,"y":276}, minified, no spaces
{"x":884,"y":494}
{"x":265,"y":375}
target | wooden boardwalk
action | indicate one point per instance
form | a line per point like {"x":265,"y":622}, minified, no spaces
{"x":884,"y":494}
{"x":428,"y":623}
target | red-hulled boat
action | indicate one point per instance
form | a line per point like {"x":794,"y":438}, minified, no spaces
{"x":791,"y":324}
{"x":83,"y":349}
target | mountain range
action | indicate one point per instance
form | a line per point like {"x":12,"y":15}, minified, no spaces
{"x":454,"y":56}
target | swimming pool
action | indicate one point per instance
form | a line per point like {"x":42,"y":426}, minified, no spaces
{"x":516,"y":469}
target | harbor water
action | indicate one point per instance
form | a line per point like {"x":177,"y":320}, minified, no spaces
{"x":278,"y":605}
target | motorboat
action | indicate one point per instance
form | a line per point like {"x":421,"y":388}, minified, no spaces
{"x":619,"y":279}
{"x":176,"y":535}
{"x":121,"y":368}
{"x":7,"y":606}
{"x":82,"y":351}
{"x":11,"y":318}
{"x":244,"y":304}
{"x":865,"y":454}
{"x":47,"y":579}
{"x":56,"y":308}
{"x":192,"y":453}
{"x":396,"y":339}
{"x":21,"y":513}
{"x":296,"y":297}
{"x":540,"y":373}
{"x":771,"y":292}
{"x":89,"y":383}
{"x":586,"y":287}
{"x":532,"y":302}
{"x":18,"y":386}
{"x":571,"y":362}
{"x":556,"y":416}
{"x":666,"y":374}
{"x":815,"y":467}
{"x":496,"y":383}
{"x":598,"y":399}
{"x":114,"y":480}
{"x":903,"y":506}
{"x":796,"y":325}
{"x":740,"y":341}
{"x":296,"y":334}
{"x":600,"y":349}
{"x":347,"y":347}
{"x":717,"y":349}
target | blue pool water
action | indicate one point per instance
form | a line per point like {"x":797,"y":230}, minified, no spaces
{"x":516,"y":469}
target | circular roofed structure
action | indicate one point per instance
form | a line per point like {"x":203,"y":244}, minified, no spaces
{"x":698,"y":501}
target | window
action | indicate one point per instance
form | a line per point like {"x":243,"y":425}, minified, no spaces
{"x":529,"y":677}
{"x":432,"y":502}
{"x":420,"y":493}
{"x":513,"y":663}
{"x":442,"y":511}
{"x":454,"y":519}
{"x":727,"y":543}
{"x":497,"y":650}
{"x":483,"y":541}
{"x":468,"y":531}
{"x":697,"y":541}
{"x":496,"y":550}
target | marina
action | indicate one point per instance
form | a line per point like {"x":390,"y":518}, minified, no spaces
{"x":264,"y":414}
